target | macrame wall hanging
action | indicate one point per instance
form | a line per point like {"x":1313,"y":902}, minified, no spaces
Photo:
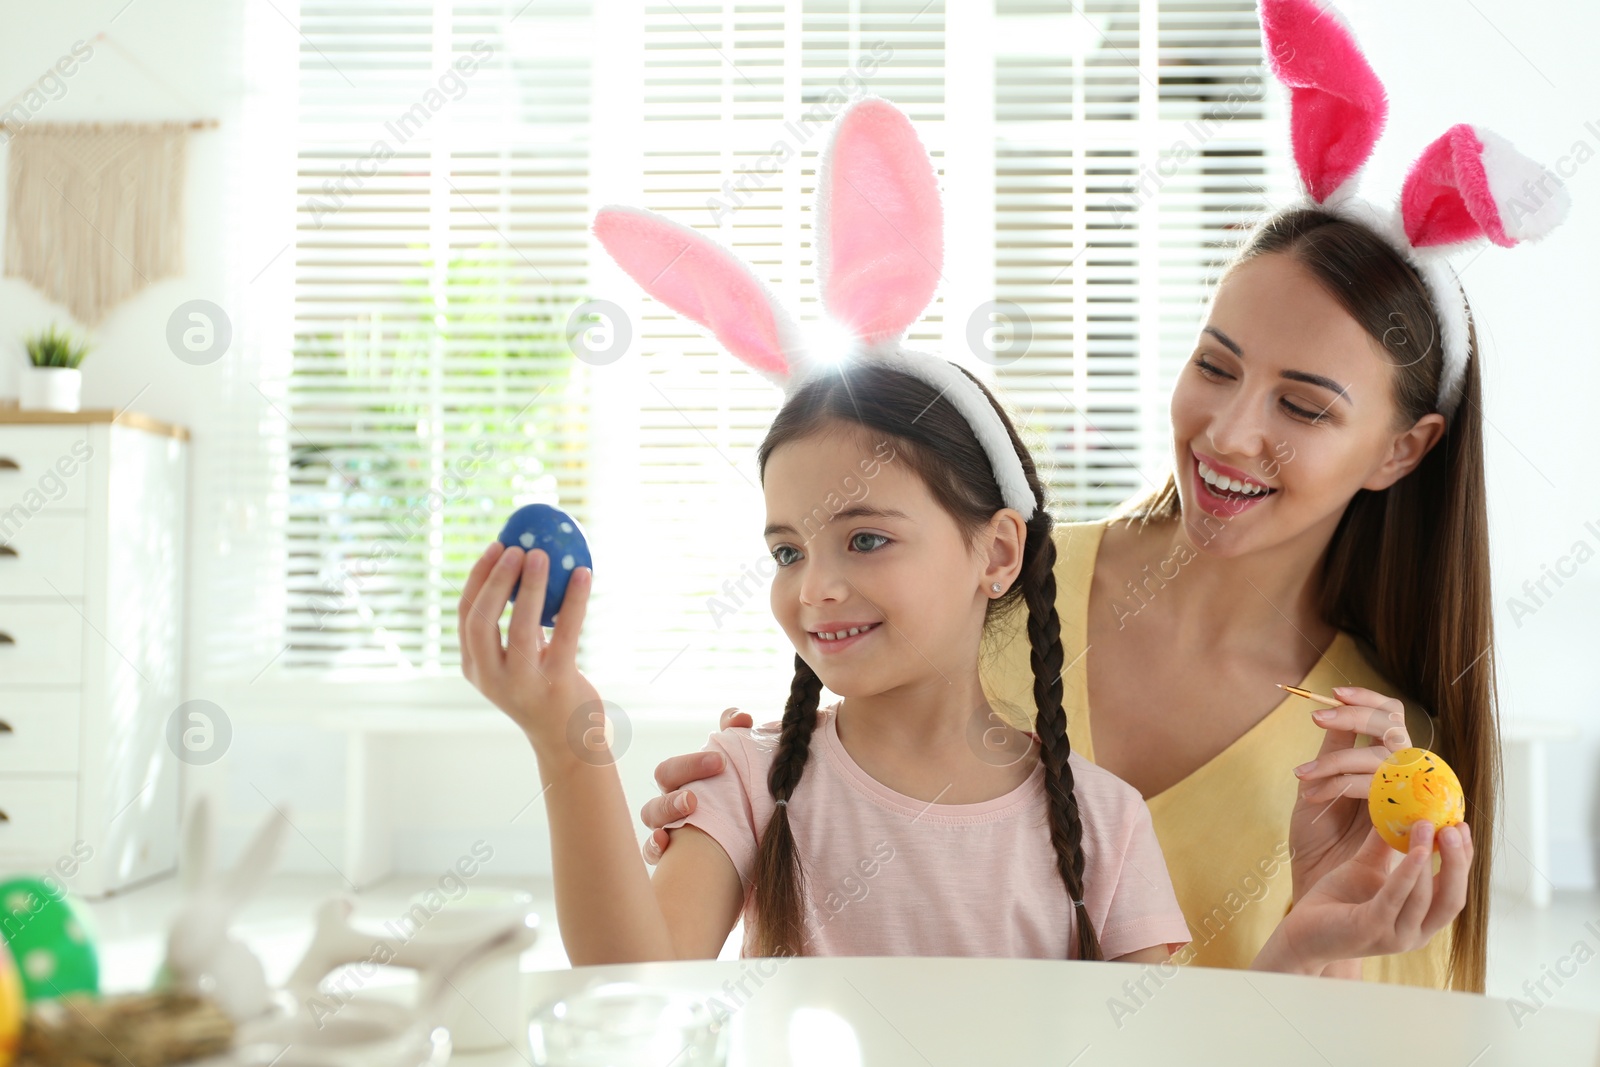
{"x":94,"y":212}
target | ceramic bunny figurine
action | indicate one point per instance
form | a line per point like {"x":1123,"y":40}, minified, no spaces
{"x":202,"y":956}
{"x":302,"y":1025}
{"x":318,"y":1027}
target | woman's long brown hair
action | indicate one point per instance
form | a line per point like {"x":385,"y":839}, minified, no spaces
{"x":875,"y":403}
{"x":1407,"y":571}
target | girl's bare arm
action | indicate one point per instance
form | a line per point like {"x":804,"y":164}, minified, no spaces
{"x":608,"y":908}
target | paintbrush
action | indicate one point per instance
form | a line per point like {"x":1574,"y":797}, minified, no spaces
{"x":1332,"y":702}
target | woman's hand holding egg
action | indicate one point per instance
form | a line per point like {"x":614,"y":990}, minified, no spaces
{"x":1349,"y":902}
{"x":1330,"y":822}
{"x":1366,"y":907}
{"x":533,"y":680}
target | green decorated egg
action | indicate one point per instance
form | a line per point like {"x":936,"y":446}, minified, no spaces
{"x":49,"y":935}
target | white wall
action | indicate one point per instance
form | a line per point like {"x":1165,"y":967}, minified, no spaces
{"x":194,"y":49}
{"x":1519,"y":68}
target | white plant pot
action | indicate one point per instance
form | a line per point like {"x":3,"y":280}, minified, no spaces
{"x":51,"y":388}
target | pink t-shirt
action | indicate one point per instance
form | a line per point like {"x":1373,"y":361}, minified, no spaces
{"x":889,"y":875}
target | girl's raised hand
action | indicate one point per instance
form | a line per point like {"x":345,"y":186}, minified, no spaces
{"x":533,"y":680}
{"x":1366,"y":907}
{"x":1330,"y":821}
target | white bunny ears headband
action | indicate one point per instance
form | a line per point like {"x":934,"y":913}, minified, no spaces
{"x":1467,"y":185}
{"x":879,"y":228}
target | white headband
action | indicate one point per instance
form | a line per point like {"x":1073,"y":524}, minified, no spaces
{"x":969,"y":400}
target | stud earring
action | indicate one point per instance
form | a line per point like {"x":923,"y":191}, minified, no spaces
{"x":995,"y":587}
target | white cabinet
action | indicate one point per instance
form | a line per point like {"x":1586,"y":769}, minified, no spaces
{"x":92,"y":518}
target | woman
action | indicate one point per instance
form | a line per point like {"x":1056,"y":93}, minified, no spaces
{"x":1344,"y":548}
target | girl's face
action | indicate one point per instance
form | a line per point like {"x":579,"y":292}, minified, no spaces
{"x":861,"y":543}
{"x":1290,"y":401}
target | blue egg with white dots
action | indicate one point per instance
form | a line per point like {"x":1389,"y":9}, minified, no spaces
{"x":559,"y":536}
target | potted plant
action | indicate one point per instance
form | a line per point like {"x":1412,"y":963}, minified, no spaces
{"x":52,"y":380}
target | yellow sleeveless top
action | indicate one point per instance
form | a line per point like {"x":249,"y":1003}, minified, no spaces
{"x":1233,"y":882}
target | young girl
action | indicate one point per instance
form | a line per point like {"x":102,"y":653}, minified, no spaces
{"x":920,"y":798}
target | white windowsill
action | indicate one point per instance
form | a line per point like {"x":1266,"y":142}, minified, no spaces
{"x":430,"y":704}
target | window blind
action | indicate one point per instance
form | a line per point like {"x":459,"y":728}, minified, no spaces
{"x":440,"y":248}
{"x":1118,"y":146}
{"x":1133,"y":145}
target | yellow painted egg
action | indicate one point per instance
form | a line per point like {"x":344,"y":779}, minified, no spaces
{"x":12,"y":1007}
{"x":1411,"y":785}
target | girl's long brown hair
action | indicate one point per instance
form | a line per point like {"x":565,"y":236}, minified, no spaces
{"x":876,"y":403}
{"x":1407,"y":571}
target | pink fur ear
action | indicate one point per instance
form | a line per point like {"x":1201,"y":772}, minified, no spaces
{"x":1472,"y":183}
{"x":698,"y":278}
{"x":879,"y":222}
{"x":1337,"y":104}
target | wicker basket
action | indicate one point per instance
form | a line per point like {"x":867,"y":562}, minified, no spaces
{"x":133,"y":1030}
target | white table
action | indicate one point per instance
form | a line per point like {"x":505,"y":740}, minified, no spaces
{"x":885,"y":1012}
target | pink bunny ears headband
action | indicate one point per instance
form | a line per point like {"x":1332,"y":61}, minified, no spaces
{"x":879,"y":229}
{"x":1468,"y":184}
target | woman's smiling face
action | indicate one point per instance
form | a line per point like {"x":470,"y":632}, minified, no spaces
{"x":1284,"y":411}
{"x":861,"y":542}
